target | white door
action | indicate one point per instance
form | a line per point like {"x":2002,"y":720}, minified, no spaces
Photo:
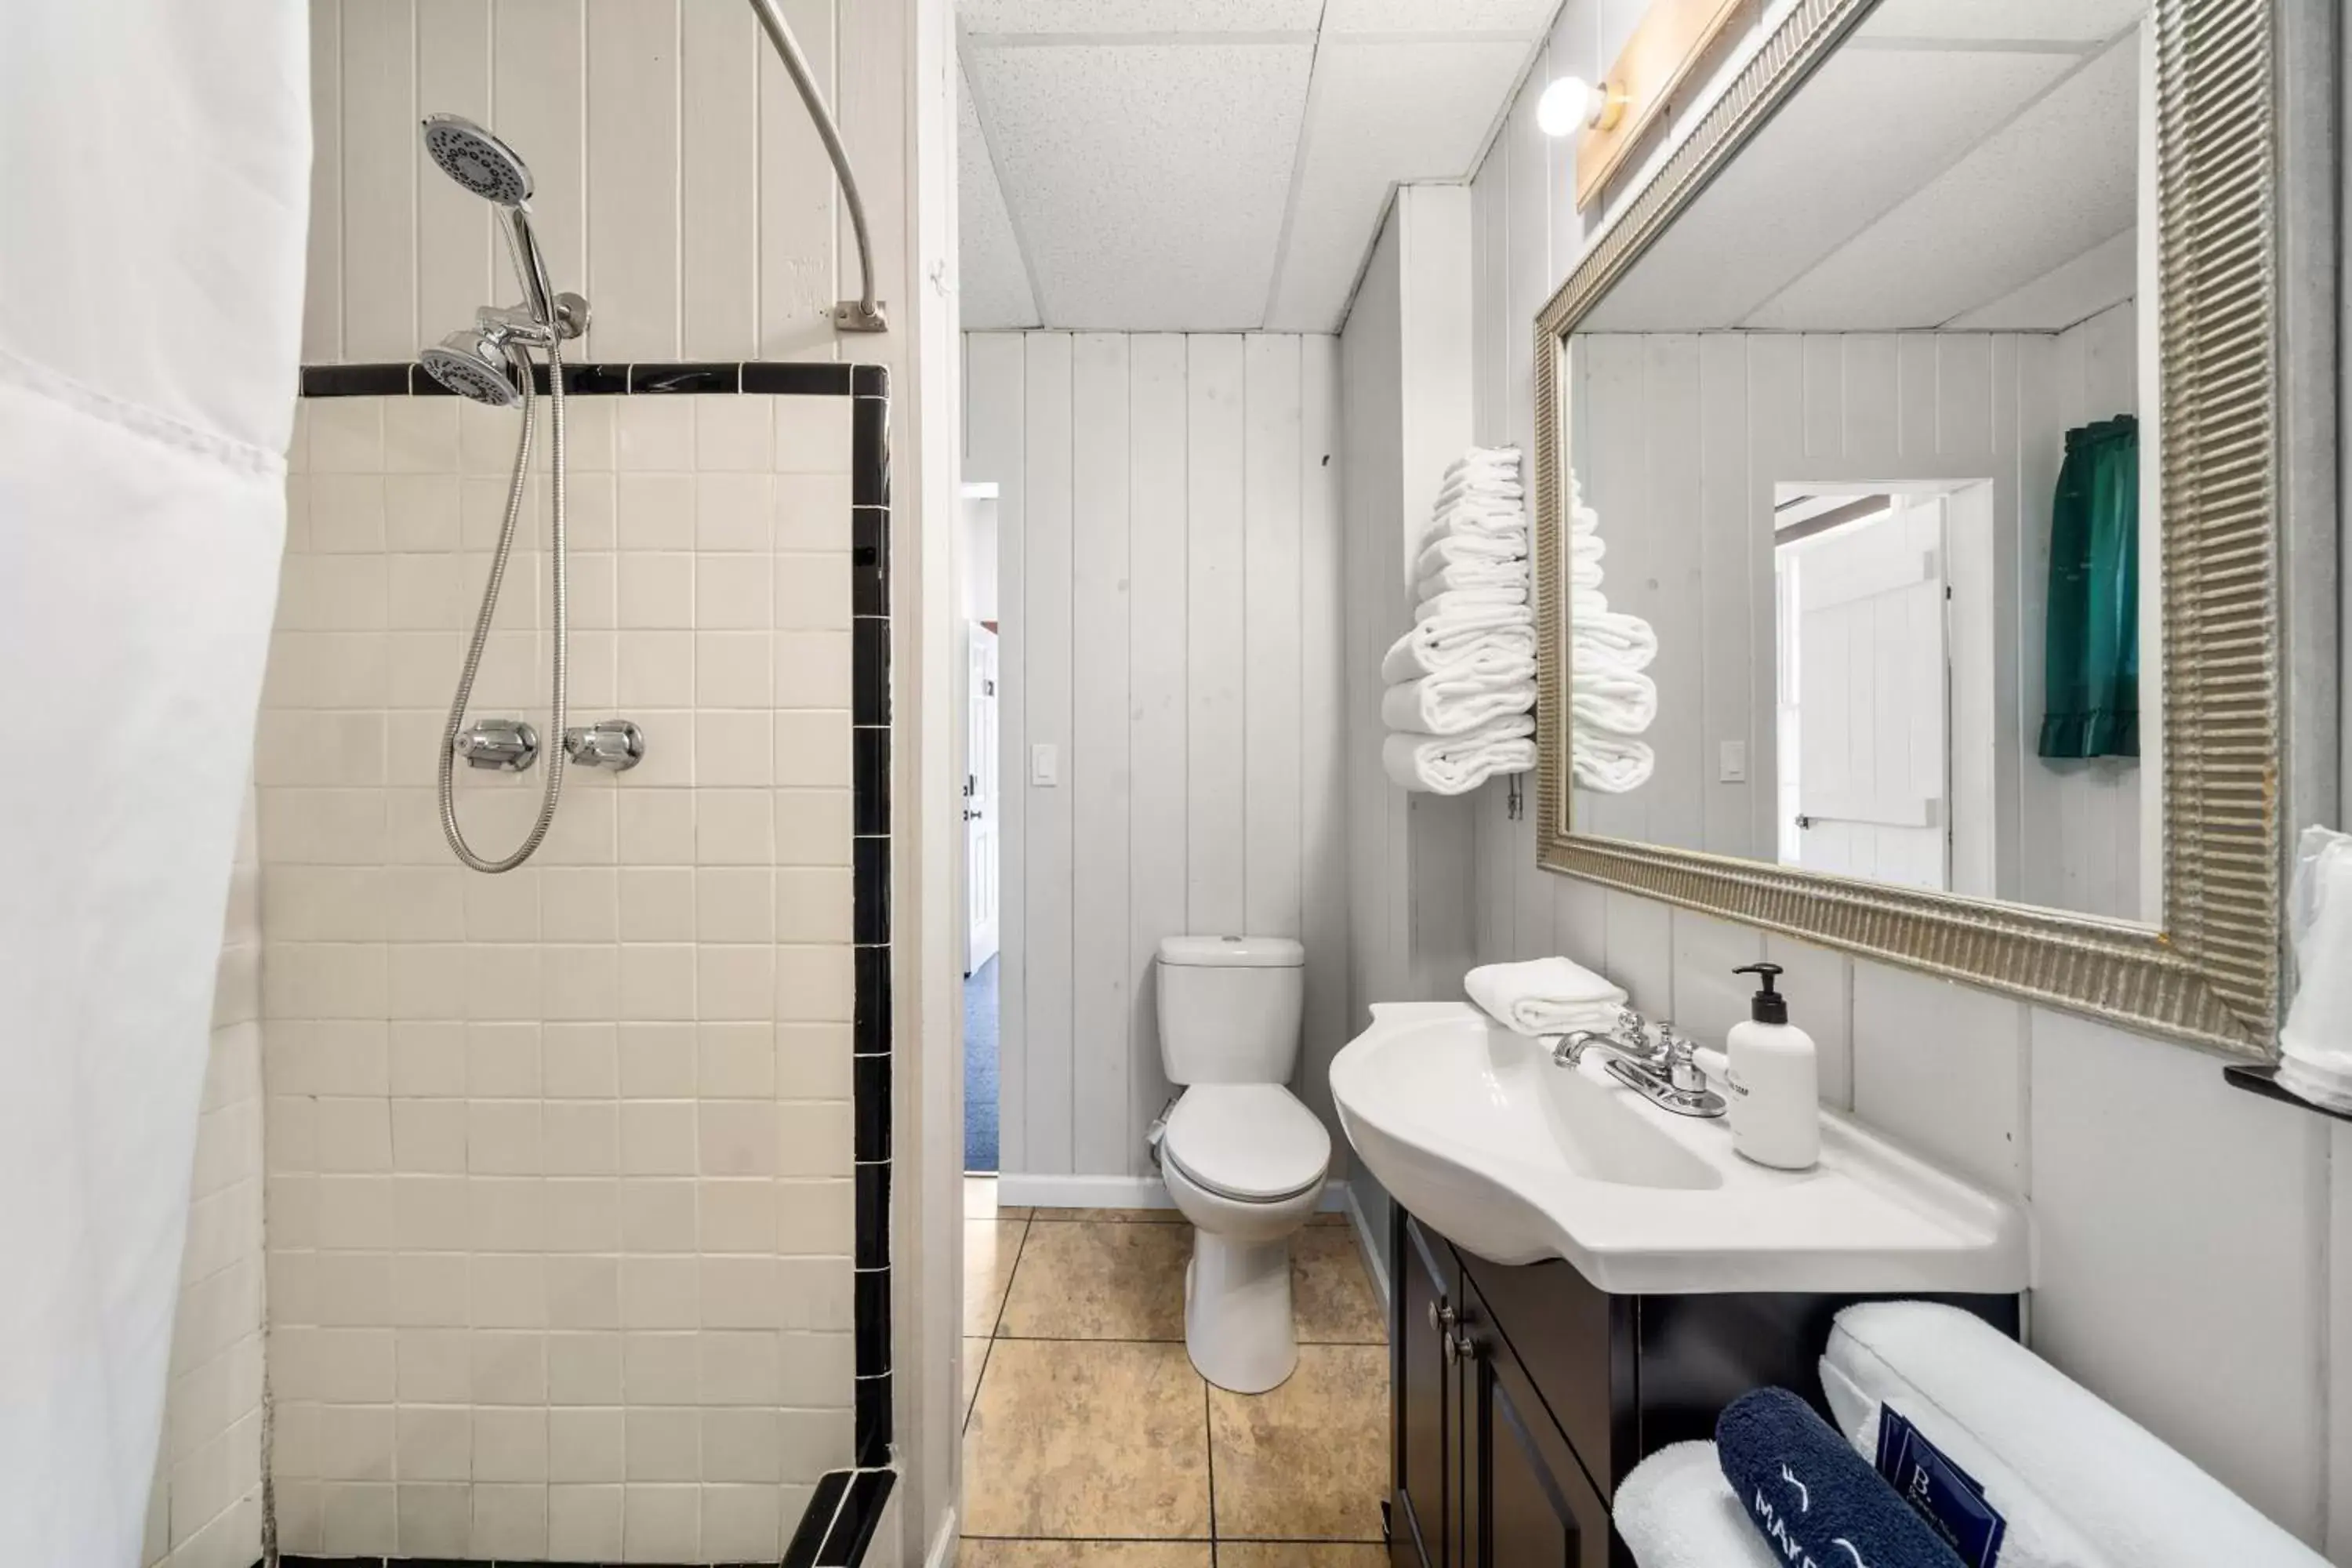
{"x":1871,"y":743}
{"x":980,"y":800}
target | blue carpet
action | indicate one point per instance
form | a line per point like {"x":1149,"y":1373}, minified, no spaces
{"x":979,"y":1068}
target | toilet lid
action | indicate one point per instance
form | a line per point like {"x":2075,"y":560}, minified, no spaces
{"x":1248,"y":1140}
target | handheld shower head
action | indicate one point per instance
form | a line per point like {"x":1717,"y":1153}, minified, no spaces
{"x":478,"y":160}
{"x":473,"y":364}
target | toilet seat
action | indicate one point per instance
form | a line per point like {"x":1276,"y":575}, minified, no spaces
{"x":1250,"y":1143}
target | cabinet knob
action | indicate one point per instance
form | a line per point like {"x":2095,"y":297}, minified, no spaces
{"x":1462,"y":1345}
{"x":1441,"y":1316}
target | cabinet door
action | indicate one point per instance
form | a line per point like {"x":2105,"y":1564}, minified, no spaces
{"x":1424,"y":1379}
{"x":1526,"y":1502}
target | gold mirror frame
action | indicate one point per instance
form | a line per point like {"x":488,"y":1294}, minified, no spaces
{"x":2211,"y":974}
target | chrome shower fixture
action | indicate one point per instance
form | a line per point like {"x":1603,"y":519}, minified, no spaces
{"x":490,"y":169}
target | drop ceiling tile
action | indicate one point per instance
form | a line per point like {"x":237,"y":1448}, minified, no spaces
{"x":1148,"y":180}
{"x":1098,"y":17}
{"x":2106,"y":273}
{"x":2021,"y":21}
{"x":1526,"y":18}
{"x":1380,"y":114}
{"x":993,"y":283}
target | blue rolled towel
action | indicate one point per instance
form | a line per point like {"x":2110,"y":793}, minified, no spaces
{"x":1814,"y":1499}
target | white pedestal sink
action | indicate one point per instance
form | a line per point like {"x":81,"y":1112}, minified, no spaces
{"x":1477,"y":1132}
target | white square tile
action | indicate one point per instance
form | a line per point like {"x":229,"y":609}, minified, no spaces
{"x":812,"y":434}
{"x":656,"y":903}
{"x":654,"y":511}
{"x":421,"y":511}
{"x":734,"y":433}
{"x":510,"y":1444}
{"x":583,"y":1292}
{"x":431,"y":1291}
{"x":813,"y":1060}
{"x":659,"y":1293}
{"x":436,"y":1519}
{"x":658,"y":1137}
{"x":354,"y":1135}
{"x":812,"y":669}
{"x":506,"y":1214}
{"x":734,"y":669}
{"x":593,"y":422}
{"x":502,"y":1137}
{"x":428,"y":593}
{"x":592,"y":592}
{"x":736,"y":827}
{"x":435,"y":1367}
{"x":346,"y":514}
{"x":657,"y":593}
{"x":734,"y":512}
{"x":346,"y":434}
{"x":730,"y":594}
{"x":579,"y":982}
{"x":737,"y":1215}
{"x":812,"y":903}
{"x":813,"y":512}
{"x":734,"y":904}
{"x":815,"y":1217}
{"x":420,"y":435}
{"x":813,"y":591}
{"x":583,"y":1215}
{"x":430,"y":1213}
{"x":743,"y":1293}
{"x":509,"y":1520}
{"x":579,"y":903}
{"x":584,"y":1445}
{"x":509,"y":1367}
{"x":741,"y":1520}
{"x":813,"y":1137}
{"x":812,"y":827}
{"x":582,"y":1138}
{"x":355,"y":1442}
{"x":509,"y":1291}
{"x":814,"y":1441}
{"x":656,"y":670}
{"x":658,"y":1216}
{"x":593,"y":518}
{"x":735,"y":749}
{"x":813,"y":748}
{"x":664,"y":1445}
{"x":583,"y":1522}
{"x":435,"y":1444}
{"x":357,"y":1519}
{"x":738,"y":1138}
{"x":658,"y":1061}
{"x":742,"y":1446}
{"x":583,"y":1369}
{"x":660,"y":1369}
{"x":657,"y":981}
{"x":655,"y":433}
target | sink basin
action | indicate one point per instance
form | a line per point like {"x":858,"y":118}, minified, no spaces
{"x":1474,"y":1128}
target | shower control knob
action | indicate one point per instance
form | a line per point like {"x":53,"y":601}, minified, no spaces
{"x":502,"y":745}
{"x":614,"y":744}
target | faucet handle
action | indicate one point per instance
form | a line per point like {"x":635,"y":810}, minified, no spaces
{"x":1634,"y":1027}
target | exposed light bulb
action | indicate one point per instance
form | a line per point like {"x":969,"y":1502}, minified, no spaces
{"x":1566,"y":106}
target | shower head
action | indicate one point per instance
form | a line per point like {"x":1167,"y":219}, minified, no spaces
{"x":478,"y":160}
{"x":473,"y":364}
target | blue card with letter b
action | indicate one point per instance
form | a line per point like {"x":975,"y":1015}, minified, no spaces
{"x":1946,"y":1496}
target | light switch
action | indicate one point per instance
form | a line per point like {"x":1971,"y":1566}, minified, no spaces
{"x":1733,"y":766}
{"x":1045,"y":765}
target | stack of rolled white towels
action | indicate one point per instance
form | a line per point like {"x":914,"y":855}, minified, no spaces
{"x":1610,"y":702}
{"x":1462,"y":684}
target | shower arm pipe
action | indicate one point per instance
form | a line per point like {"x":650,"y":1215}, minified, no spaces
{"x":864,"y":313}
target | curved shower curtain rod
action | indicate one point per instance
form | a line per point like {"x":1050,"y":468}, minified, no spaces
{"x":863,"y":315}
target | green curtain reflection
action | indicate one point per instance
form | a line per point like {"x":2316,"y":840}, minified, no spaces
{"x":2090,"y":674}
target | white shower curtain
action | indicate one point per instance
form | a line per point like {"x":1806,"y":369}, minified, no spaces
{"x":154,"y":160}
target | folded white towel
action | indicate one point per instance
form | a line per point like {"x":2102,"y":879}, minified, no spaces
{"x":1975,"y":1392}
{"x":1618,"y":701}
{"x":1613,"y":764}
{"x":1452,"y":765}
{"x":1675,"y":1510}
{"x":1545,"y":996}
{"x":1478,"y":520}
{"x":1455,"y":704}
{"x":1456,"y":549}
{"x":1454,"y":601}
{"x":1503,"y":651}
{"x":1473,"y":456}
{"x":1477,"y":492}
{"x":1602,"y":634}
{"x":1473,"y":574}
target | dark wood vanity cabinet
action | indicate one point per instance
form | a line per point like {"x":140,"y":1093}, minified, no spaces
{"x":1523,"y":1396}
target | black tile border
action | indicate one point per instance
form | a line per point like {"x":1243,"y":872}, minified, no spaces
{"x":847,"y":1505}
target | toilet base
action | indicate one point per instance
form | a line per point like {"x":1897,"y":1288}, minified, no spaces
{"x":1238,"y":1323}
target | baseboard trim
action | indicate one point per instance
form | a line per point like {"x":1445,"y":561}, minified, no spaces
{"x":1370,"y":1248}
{"x":942,"y":1553}
{"x":1120,"y":1193}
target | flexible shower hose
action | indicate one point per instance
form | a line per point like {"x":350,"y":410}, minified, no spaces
{"x":553,"y":746}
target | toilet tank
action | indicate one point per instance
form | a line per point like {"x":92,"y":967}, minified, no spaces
{"x":1229,"y":1008}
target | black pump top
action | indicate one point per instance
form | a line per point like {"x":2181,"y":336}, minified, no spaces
{"x":1768,"y":1005}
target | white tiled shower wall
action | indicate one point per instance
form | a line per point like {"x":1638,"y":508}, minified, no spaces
{"x":560,"y":1215}
{"x":204,"y":1510}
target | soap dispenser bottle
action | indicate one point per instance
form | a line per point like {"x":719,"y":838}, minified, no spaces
{"x":1775,"y":1082}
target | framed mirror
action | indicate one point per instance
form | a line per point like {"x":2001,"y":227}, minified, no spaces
{"x":1911,"y":508}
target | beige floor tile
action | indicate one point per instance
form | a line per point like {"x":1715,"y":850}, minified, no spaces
{"x":1300,"y":1554}
{"x":1110,"y":1216}
{"x":1088,"y":1441}
{"x":1331,"y":1298}
{"x":979,"y":1201}
{"x":1328,"y":1216}
{"x":1310,"y":1461}
{"x":1082,"y":1554}
{"x":990,"y":1248}
{"x":1099,"y":1281}
{"x":975,"y":1361}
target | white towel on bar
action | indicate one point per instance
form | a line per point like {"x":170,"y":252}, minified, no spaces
{"x":1452,"y":764}
{"x":1454,"y":704}
{"x":1472,"y":520}
{"x":1503,"y":651}
{"x":1545,"y":996}
{"x":1472,"y":574}
{"x":1621,"y":703}
{"x":1492,"y":492}
{"x":1613,"y":764}
{"x":1455,"y":600}
{"x":1629,"y":642}
{"x":1457,"y":549}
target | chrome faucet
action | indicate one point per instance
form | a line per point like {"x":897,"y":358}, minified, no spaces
{"x":1664,"y":1071}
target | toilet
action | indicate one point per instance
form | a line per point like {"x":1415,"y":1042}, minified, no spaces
{"x":1244,"y":1160}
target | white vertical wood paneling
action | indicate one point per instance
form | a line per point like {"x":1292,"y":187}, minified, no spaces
{"x":1045,"y":677}
{"x":454,"y":226}
{"x":379,"y":209}
{"x":994,"y":370}
{"x":871,"y":90}
{"x":1143,"y":480}
{"x":632,"y":196}
{"x":719,"y":51}
{"x":1102,"y":981}
{"x":797,"y":258}
{"x":1216,"y":661}
{"x":323,"y":290}
{"x":1273,"y":692}
{"x":1158,"y":842}
{"x":539,"y":84}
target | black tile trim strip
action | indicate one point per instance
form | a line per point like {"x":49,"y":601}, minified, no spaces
{"x":860,"y":1516}
{"x":593,"y":378}
{"x":816,"y":1520}
{"x":2263,"y":1080}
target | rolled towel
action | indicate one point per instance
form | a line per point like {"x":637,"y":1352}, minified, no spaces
{"x":1455,"y":705}
{"x":1505,"y":651}
{"x":1973,"y":1392}
{"x":1675,"y":1510}
{"x":1473,"y":574}
{"x":1812,"y":1497}
{"x":1603,"y":633}
{"x":1453,"y":601}
{"x":1545,"y":996}
{"x":1452,"y":764}
{"x":1618,"y":703}
{"x":1613,"y":764}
